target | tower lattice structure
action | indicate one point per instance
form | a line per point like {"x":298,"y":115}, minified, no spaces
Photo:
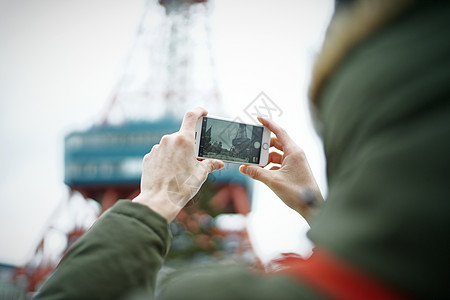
{"x":169,"y":70}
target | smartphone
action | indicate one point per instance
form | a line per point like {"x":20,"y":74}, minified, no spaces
{"x":232,"y":142}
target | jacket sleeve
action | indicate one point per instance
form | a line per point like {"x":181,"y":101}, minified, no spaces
{"x":122,"y":252}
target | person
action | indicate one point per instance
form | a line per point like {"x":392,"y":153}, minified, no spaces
{"x":381,"y":95}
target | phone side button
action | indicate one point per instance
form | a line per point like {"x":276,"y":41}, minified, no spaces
{"x":265,"y":146}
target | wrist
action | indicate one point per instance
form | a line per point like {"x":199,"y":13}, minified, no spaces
{"x":159,"y":204}
{"x":310,"y":201}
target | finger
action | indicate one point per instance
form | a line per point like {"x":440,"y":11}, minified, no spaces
{"x":281,"y":134}
{"x":257,"y":173}
{"x":154,"y":148}
{"x":190,"y":120}
{"x":211,"y":165}
{"x":276,"y":158}
{"x":275,"y":143}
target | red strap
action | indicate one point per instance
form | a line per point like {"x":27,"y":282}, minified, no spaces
{"x":337,"y":279}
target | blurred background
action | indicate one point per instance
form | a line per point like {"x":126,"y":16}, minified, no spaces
{"x":87,"y":87}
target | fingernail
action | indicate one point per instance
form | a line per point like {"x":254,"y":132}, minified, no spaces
{"x":243,"y":169}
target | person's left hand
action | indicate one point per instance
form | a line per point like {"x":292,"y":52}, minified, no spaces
{"x":171,"y":173}
{"x":290,"y":178}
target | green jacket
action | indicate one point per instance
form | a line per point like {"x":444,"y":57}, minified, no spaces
{"x":120,"y":256}
{"x":385,"y":115}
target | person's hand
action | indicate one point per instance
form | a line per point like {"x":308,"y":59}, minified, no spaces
{"x":171,"y":173}
{"x":290,"y":178}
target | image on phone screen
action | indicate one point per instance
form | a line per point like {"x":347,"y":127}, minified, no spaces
{"x":230,"y":141}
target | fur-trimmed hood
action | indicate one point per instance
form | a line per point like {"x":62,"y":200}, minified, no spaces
{"x":350,"y":24}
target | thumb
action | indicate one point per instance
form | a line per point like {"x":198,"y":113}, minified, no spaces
{"x":212,"y":164}
{"x":257,"y":173}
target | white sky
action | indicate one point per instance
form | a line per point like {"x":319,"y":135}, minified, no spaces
{"x":59,"y":61}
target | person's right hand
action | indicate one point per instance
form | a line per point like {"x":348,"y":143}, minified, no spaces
{"x":292,"y":180}
{"x":171,"y":173}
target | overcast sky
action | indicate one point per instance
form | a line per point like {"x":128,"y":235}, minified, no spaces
{"x":60,"y":59}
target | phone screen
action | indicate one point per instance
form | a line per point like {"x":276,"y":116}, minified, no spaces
{"x":230,"y":141}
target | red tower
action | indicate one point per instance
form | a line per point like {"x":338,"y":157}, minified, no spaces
{"x":169,"y":70}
